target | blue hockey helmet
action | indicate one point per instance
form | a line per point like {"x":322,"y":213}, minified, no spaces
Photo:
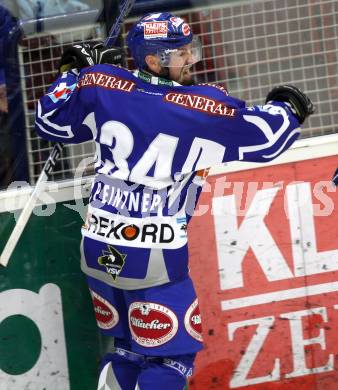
{"x":161,"y":34}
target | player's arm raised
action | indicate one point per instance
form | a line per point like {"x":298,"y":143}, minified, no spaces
{"x":61,"y":112}
{"x":262,"y":133}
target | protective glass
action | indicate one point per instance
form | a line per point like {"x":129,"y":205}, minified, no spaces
{"x":185,"y":55}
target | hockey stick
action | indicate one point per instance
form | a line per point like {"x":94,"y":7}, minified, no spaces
{"x":55,"y":154}
{"x":335,"y":178}
{"x":29,"y":206}
{"x":114,"y":32}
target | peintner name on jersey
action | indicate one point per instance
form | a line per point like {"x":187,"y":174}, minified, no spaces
{"x":125,"y":198}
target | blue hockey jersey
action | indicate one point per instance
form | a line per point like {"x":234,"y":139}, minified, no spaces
{"x":155,"y":140}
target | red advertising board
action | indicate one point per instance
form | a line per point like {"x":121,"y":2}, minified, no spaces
{"x":264,"y":258}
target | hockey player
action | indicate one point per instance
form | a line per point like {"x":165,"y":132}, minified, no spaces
{"x":155,"y":135}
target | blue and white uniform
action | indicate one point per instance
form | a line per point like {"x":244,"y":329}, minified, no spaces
{"x":155,"y":141}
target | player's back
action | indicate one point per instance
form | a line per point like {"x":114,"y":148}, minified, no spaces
{"x":149,"y":129}
{"x":152,"y":137}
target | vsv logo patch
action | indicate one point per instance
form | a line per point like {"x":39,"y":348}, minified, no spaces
{"x":113,"y":260}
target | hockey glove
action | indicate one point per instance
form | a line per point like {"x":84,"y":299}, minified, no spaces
{"x":299,"y":103}
{"x":82,"y":55}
